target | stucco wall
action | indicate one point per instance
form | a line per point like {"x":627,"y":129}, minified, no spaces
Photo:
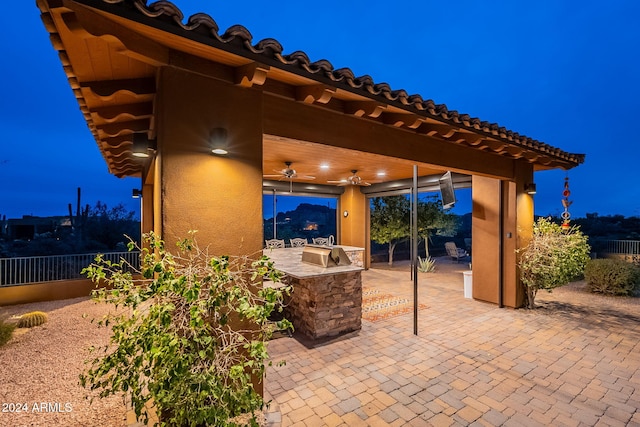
{"x":221,"y":197}
{"x":352,"y":227}
{"x":50,"y":291}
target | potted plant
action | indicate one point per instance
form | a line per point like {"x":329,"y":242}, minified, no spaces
{"x":188,"y":336}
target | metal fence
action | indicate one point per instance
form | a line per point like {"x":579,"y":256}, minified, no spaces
{"x":38,"y":269}
{"x":624,"y":247}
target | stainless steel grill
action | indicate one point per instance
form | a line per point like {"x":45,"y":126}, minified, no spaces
{"x":325,"y":256}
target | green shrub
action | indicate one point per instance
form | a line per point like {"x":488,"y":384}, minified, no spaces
{"x":6,"y":330}
{"x":612,"y":276}
{"x":426,"y":265}
{"x":192,"y":337}
{"x":35,"y":318}
{"x":553,"y":258}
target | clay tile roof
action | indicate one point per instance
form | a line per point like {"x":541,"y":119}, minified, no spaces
{"x":238,"y":40}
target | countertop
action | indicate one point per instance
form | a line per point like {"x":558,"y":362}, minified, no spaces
{"x":289,"y":261}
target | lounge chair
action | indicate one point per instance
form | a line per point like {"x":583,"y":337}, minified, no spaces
{"x":455,"y":252}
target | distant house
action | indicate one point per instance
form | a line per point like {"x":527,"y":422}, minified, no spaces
{"x":310,"y":226}
{"x":31,"y":227}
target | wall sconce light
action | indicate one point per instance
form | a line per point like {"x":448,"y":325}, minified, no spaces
{"x":136,"y":194}
{"x":141,"y":145}
{"x":218,"y":139}
{"x":530,"y":188}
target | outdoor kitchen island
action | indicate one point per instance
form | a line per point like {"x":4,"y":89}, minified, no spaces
{"x":325,"y":301}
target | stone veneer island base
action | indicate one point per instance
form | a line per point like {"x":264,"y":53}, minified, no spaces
{"x":325,"y":301}
{"x":325,"y":306}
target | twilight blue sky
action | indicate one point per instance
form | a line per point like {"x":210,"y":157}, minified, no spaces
{"x":564,"y":72}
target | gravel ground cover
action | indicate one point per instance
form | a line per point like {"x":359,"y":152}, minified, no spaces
{"x":39,"y":369}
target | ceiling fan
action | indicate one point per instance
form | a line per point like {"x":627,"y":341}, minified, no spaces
{"x":354,"y":179}
{"x":288,"y":173}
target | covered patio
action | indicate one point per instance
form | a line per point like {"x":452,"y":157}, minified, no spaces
{"x":160,"y":93}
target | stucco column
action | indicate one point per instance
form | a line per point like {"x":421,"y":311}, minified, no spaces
{"x":353,"y":227}
{"x":524,"y":208}
{"x":220,"y":196}
{"x":146,"y":208}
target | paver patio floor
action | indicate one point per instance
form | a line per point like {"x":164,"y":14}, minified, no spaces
{"x":575,"y":361}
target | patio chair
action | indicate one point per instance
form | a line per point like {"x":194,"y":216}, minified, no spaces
{"x":298,"y":242}
{"x":455,"y":252}
{"x":274,"y":243}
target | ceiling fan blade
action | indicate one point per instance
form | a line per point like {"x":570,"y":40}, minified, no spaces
{"x":306,"y":177}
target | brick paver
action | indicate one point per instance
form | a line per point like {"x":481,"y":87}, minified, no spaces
{"x":575,"y":360}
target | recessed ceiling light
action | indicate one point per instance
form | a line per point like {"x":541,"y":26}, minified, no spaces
{"x":324,"y":166}
{"x":381,"y":173}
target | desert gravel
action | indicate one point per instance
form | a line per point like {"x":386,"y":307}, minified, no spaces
{"x":39,"y":369}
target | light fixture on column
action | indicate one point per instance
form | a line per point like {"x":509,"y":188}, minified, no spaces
{"x":218,"y":141}
{"x":530,"y":188}
{"x":141,"y":145}
{"x":136,"y":194}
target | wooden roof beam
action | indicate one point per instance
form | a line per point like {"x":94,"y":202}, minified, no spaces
{"x":85,"y":23}
{"x":492,"y":145}
{"x":364,"y":108}
{"x":431,"y":129}
{"x":314,"y":93}
{"x":120,"y":128}
{"x":116,"y":142}
{"x":116,"y":153}
{"x":398,"y":120}
{"x":107,"y":89}
{"x":114,"y":112}
{"x":251,"y":74}
{"x":45,"y":5}
{"x":512,"y":150}
{"x":467,"y":138}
